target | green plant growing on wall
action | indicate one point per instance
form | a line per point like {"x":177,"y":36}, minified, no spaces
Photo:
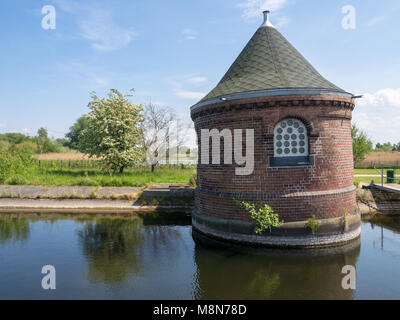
{"x":193,"y":180}
{"x":345,"y":214}
{"x":264,"y":216}
{"x":314,"y":224}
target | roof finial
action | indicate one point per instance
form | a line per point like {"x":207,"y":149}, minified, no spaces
{"x":266,"y":22}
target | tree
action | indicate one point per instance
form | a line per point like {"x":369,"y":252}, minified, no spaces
{"x":112,"y":248}
{"x":14,"y":138}
{"x":74,"y":134}
{"x":114,"y":133}
{"x":42,"y":139}
{"x":164,"y":135}
{"x":156,"y":127}
{"x":44,"y":143}
{"x":362,"y":145}
{"x":62,"y":142}
{"x":386,"y":147}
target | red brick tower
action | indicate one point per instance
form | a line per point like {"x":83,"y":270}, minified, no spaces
{"x":303,"y":159}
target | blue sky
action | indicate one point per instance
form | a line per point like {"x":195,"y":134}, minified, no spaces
{"x":173,"y":52}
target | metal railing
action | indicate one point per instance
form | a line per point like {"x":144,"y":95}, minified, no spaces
{"x":380,"y":168}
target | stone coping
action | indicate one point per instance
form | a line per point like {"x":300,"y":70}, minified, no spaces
{"x":292,"y":252}
{"x":294,"y":234}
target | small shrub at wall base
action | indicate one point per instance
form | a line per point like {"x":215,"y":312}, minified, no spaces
{"x":313,"y":224}
{"x":264,"y":216}
{"x":193,"y":180}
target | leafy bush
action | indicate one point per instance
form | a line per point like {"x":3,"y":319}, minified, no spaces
{"x":27,"y":147}
{"x":314,"y":224}
{"x":14,"y":164}
{"x":193,"y":180}
{"x":264,"y":217}
{"x":14,"y":138}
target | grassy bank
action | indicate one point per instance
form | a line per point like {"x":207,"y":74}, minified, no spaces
{"x":95,"y":177}
{"x":368,"y":180}
{"x":373,"y":171}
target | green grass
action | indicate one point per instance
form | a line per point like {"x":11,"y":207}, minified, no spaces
{"x":95,"y":177}
{"x":372,"y":171}
{"x":367,"y":179}
{"x":58,"y":176}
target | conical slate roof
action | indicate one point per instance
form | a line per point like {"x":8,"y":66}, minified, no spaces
{"x":269,"y":62}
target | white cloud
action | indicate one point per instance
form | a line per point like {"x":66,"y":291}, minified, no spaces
{"x":27,"y":131}
{"x":98,"y":25}
{"x":100,"y":30}
{"x":376,"y":20}
{"x":100,"y":82}
{"x":186,"y":92}
{"x":3,"y":125}
{"x":190,"y":95}
{"x":189,"y":34}
{"x":280,"y":21}
{"x":254,"y":8}
{"x":382,"y":98}
{"x":378,"y":114}
{"x":197,"y":80}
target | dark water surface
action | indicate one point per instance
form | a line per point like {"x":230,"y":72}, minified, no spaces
{"x":129,"y":259}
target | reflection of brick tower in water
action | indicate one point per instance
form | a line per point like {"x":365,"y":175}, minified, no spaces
{"x":303,"y":161}
{"x":274,"y":273}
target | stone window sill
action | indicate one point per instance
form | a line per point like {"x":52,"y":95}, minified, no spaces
{"x":291,"y":162}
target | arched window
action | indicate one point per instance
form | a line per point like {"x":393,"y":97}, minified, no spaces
{"x":291,"y":148}
{"x":290,"y":139}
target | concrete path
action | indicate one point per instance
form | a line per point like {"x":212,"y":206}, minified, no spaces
{"x":65,"y":192}
{"x":390,"y":187}
{"x":96,"y":200}
{"x":83,"y":206}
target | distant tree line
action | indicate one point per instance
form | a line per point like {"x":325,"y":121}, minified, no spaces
{"x":363,"y":145}
{"x":41,"y":143}
{"x":387,"y":147}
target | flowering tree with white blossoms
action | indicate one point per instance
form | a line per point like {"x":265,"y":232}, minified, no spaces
{"x":114,"y":133}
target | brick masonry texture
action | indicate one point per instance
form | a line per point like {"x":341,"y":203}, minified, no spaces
{"x":324,"y":189}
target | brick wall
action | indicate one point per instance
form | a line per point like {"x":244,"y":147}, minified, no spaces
{"x":324,"y":189}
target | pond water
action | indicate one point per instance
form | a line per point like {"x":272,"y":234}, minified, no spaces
{"x":131,"y":259}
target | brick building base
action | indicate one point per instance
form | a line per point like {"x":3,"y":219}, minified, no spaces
{"x":323,"y":189}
